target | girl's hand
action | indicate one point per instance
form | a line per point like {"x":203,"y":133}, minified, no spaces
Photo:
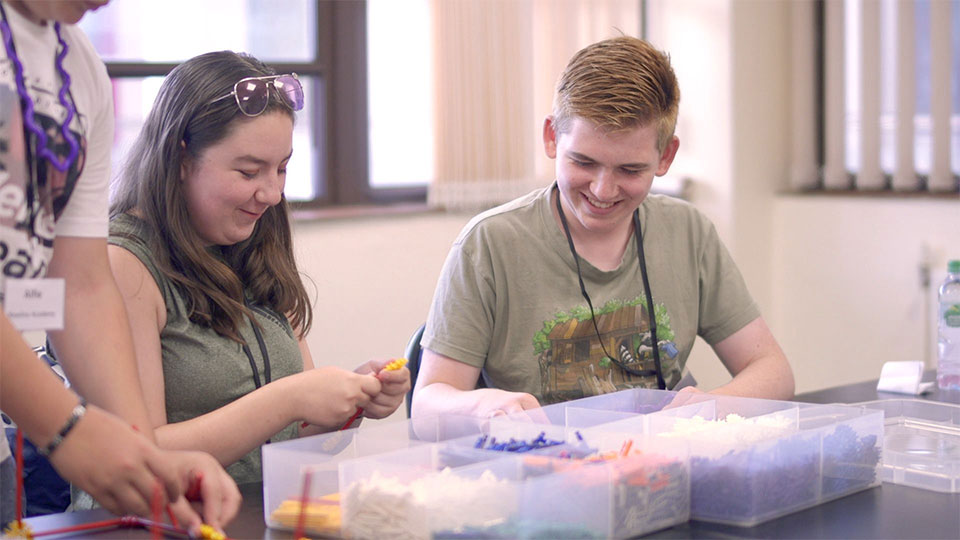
{"x":328,"y":396}
{"x":394,"y":387}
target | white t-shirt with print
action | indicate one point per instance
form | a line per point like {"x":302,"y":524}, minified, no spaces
{"x":38,"y":202}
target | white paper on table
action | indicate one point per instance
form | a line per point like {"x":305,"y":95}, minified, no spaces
{"x":903,"y":378}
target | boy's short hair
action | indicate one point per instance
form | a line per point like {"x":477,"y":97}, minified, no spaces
{"x":619,"y":83}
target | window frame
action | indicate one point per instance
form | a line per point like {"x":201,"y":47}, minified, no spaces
{"x":341,"y":176}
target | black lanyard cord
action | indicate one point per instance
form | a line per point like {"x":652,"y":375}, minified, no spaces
{"x":263,"y":354}
{"x":253,"y":366}
{"x":646,"y":289}
{"x":651,"y":315}
{"x":583,"y":288}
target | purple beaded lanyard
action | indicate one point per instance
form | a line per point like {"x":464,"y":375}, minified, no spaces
{"x":41,"y":137}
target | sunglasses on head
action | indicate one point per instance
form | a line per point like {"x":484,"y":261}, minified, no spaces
{"x":253,"y":93}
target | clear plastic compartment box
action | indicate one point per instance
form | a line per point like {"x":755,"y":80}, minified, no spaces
{"x":851,"y":445}
{"x":284,"y":464}
{"x":425,"y":491}
{"x":743,"y":473}
{"x":921,"y":446}
{"x":649,"y":478}
{"x":780,"y":458}
{"x":801,"y":455}
{"x":771,"y":459}
{"x":596,"y":410}
{"x":454,"y":490}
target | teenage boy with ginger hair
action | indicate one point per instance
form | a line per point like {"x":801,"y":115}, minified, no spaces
{"x":509,"y":304}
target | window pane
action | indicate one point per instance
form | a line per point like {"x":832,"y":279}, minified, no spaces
{"x":134,"y":97}
{"x":923,"y":140}
{"x":400,"y":80}
{"x":955,"y":77}
{"x":888,"y":95}
{"x":305,"y":171}
{"x":923,"y":123}
{"x":175,"y":30}
{"x":851,"y":37}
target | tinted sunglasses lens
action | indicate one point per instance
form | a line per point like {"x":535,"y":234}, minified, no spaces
{"x":291,"y":90}
{"x":252,"y":96}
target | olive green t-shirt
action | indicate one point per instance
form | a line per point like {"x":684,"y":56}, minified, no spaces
{"x":508,"y":300}
{"x":202,"y":370}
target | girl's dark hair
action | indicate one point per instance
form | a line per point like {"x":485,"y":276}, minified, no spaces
{"x":184,"y":122}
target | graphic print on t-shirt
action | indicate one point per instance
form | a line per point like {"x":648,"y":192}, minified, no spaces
{"x":573,"y":363}
{"x":32,"y":198}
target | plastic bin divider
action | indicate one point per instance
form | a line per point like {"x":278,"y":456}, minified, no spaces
{"x":634,"y":400}
{"x":586,"y":418}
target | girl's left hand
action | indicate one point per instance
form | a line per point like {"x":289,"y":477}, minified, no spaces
{"x":394,"y":387}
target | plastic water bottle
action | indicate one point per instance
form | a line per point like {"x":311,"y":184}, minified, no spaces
{"x":948,"y":366}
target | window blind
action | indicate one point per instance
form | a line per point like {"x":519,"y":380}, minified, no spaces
{"x":885,"y":94}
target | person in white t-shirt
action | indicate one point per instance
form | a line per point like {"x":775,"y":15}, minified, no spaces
{"x":56,"y":129}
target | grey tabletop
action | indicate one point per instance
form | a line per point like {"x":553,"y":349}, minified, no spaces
{"x":887,"y":511}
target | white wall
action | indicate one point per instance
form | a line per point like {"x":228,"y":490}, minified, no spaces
{"x":836,"y":277}
{"x":374,"y":280}
{"x":848,"y":295}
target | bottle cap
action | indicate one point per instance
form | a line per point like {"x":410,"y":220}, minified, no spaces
{"x":953,"y":267}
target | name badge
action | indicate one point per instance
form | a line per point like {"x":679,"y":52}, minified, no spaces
{"x":35,"y":304}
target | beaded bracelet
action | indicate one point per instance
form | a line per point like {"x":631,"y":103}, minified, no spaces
{"x":75,"y":415}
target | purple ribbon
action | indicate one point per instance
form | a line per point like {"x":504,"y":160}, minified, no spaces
{"x":28,"y":120}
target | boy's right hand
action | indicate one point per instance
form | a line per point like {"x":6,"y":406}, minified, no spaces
{"x":687,"y":395}
{"x":493,"y":402}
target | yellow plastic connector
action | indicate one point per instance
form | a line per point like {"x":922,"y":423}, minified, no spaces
{"x":395,"y":364}
{"x":209,"y":533}
{"x":18,"y":529}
